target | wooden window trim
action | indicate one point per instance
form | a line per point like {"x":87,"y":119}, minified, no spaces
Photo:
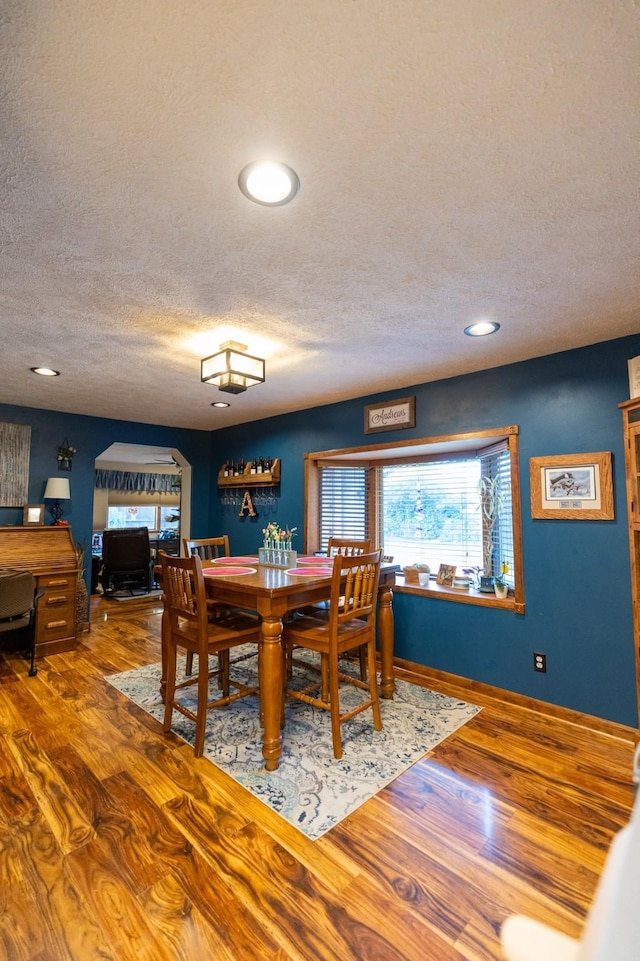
{"x":373,"y":456}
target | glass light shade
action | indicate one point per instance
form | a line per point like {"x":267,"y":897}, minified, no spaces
{"x":57,"y":489}
{"x":232,"y":370}
{"x":270,"y":184}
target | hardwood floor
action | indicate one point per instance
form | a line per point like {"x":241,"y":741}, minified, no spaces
{"x":117,"y":844}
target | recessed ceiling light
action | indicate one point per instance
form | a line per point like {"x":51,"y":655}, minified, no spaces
{"x":270,"y":184}
{"x":45,"y":371}
{"x":220,"y":403}
{"x":482,"y":328}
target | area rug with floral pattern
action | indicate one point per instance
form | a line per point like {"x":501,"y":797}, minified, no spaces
{"x":310,"y":788}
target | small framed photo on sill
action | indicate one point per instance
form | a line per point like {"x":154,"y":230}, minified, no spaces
{"x":33,"y":515}
{"x":446,"y":574}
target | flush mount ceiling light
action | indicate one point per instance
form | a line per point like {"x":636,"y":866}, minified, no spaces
{"x":270,"y":184}
{"x":45,"y":371}
{"x":221,"y":403}
{"x":482,"y":328}
{"x":232,"y":370}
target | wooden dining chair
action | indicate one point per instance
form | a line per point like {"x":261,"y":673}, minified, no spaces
{"x":349,"y":625}
{"x":348,"y":547}
{"x":189,"y":628}
{"x":207,"y":548}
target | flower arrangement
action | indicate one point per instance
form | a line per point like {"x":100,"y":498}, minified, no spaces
{"x":278,"y":537}
{"x":474,"y":573}
{"x":65,"y":455}
{"x":66,"y":451}
{"x":499,"y":579}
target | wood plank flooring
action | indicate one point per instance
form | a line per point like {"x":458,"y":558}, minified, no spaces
{"x":115,"y":843}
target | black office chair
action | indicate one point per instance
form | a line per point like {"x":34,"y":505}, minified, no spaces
{"x":18,"y":600}
{"x":126,"y":561}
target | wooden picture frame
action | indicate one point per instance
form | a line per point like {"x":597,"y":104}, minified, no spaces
{"x":392,"y":415}
{"x":572,"y":487}
{"x":446,"y":574}
{"x":33,"y":515}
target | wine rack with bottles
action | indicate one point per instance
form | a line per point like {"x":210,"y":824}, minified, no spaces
{"x":262,"y":472}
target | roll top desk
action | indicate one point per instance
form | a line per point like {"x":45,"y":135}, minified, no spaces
{"x":50,"y":554}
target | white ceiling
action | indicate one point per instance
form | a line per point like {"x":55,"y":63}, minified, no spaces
{"x":159,"y":460}
{"x":458,"y":160}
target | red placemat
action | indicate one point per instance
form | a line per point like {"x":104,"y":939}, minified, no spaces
{"x":236,"y":560}
{"x":312,"y":560}
{"x":310,"y":570}
{"x":226,"y":570}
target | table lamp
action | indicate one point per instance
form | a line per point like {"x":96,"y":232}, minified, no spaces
{"x":57,"y":490}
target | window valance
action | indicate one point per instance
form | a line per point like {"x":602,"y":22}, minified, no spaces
{"x":141,"y":481}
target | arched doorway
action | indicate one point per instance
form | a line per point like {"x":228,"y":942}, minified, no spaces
{"x":166,"y":514}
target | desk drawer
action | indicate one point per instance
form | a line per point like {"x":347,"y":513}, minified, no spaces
{"x":56,"y":625}
{"x":58,"y":582}
{"x":55,"y":618}
{"x":57,"y":599}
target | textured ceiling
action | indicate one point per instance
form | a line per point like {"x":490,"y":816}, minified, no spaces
{"x":458,"y":160}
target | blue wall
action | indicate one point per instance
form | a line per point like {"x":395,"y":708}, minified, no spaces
{"x":577,"y":576}
{"x":91,"y":436}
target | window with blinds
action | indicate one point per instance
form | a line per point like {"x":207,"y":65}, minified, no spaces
{"x":429,"y":513}
{"x":496,"y":471}
{"x":343,"y":503}
{"x":451,"y":509}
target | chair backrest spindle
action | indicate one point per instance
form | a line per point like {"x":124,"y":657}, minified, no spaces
{"x":348,"y":546}
{"x":208,"y":548}
{"x":355,"y":597}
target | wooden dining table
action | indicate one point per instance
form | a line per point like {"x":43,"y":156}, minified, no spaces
{"x":271,"y":592}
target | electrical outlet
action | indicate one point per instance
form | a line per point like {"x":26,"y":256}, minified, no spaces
{"x":540,"y":662}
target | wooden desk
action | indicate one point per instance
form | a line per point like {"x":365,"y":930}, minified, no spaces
{"x":49,"y":553}
{"x":272,"y":592}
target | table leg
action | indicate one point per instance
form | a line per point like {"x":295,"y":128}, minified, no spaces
{"x":385,"y":635}
{"x":270,"y":664}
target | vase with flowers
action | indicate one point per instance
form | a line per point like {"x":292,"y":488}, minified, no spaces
{"x":65,"y":455}
{"x":276,"y":550}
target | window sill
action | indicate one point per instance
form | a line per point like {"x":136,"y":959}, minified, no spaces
{"x":459,"y":596}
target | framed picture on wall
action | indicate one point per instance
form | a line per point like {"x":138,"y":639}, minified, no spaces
{"x":32,"y":515}
{"x":572,"y":487}
{"x":392,"y":415}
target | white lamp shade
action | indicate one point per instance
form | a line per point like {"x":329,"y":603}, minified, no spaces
{"x":57,"y":489}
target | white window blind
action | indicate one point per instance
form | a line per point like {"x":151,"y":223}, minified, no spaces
{"x":430,"y":512}
{"x":343,"y":503}
{"x":496,"y":465}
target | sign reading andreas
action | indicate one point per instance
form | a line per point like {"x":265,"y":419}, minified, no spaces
{"x":394,"y":415}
